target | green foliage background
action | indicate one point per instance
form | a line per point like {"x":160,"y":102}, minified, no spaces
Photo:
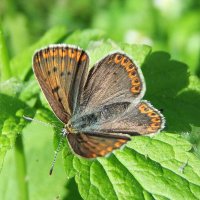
{"x":164,"y":167}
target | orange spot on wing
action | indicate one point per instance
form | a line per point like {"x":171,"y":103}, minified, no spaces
{"x":51,"y":52}
{"x":126,"y":62}
{"x":109,"y":149}
{"x":130,"y":67}
{"x":117,"y":144}
{"x":152,"y":114}
{"x":135,"y":89}
{"x":121,"y":140}
{"x":44,"y":55}
{"x":93,"y":155}
{"x":55,"y":52}
{"x":135,"y":81}
{"x":102,"y":152}
{"x":64,"y":52}
{"x":133,"y":73}
{"x":155,"y":125}
{"x":78,"y":56}
{"x":83,"y":57}
{"x":71,"y":53}
{"x":60,"y":52}
{"x":144,"y":108}
{"x":118,"y":58}
{"x":155,"y":119}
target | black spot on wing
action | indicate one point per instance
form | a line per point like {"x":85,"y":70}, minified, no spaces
{"x":55,"y":89}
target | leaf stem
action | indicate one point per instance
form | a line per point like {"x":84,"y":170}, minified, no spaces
{"x":21,"y":169}
{"x":4,"y":60}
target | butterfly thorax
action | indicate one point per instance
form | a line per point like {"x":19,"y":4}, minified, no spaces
{"x":78,"y":123}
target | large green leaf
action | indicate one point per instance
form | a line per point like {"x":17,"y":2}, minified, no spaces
{"x":159,"y":167}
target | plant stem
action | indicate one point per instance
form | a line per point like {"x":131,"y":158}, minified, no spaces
{"x":21,"y":169}
{"x":4,"y":61}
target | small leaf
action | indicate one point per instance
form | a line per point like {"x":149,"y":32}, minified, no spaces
{"x":98,"y":50}
{"x":11,"y":119}
{"x":84,"y":37}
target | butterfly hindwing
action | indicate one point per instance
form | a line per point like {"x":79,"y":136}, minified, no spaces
{"x":95,"y":145}
{"x":61,"y":71}
{"x":142,"y":119}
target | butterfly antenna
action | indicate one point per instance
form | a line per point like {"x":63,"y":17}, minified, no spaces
{"x":41,"y":122}
{"x":55,"y":156}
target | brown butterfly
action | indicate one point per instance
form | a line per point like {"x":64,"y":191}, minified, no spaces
{"x":100,"y":108}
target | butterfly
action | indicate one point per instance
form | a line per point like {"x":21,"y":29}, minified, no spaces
{"x":100,"y":108}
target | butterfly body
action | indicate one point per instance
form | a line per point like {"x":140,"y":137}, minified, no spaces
{"x":100,"y":108}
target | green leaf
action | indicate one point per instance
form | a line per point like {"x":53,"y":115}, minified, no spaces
{"x":98,"y":50}
{"x":85,"y":37}
{"x":159,"y":167}
{"x":11,"y":122}
{"x":69,"y":159}
{"x":21,"y":63}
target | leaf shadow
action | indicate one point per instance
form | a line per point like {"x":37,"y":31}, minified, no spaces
{"x":167,"y":81}
{"x":72,"y":190}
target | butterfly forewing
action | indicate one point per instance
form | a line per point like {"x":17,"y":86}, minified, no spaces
{"x":61,"y":71}
{"x":116,"y":78}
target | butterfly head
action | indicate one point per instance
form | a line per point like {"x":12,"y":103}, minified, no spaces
{"x":68,"y":128}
